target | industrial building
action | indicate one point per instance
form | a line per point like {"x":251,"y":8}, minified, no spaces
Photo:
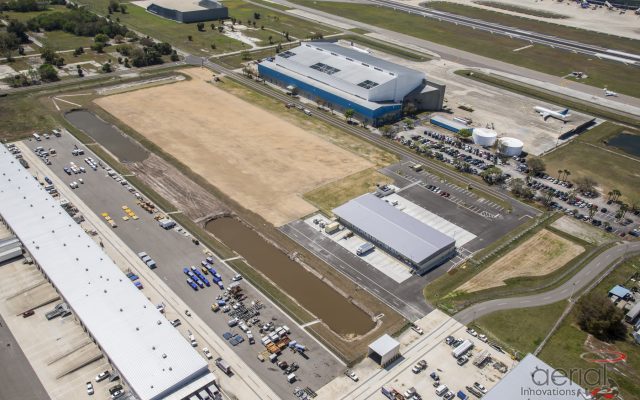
{"x":344,"y":78}
{"x":448,"y":124}
{"x":187,"y":11}
{"x":532,"y":378}
{"x":384,"y":350}
{"x":145,"y":350}
{"x":397,"y":233}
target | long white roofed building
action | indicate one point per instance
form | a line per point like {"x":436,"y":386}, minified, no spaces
{"x":150,"y":355}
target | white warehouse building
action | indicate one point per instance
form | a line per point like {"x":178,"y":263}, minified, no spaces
{"x":149,"y":354}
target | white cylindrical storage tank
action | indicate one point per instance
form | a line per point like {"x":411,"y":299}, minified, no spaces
{"x":510,"y":147}
{"x":484,"y":137}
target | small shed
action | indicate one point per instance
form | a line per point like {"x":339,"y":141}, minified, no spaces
{"x":384,"y":350}
{"x":621,"y":292}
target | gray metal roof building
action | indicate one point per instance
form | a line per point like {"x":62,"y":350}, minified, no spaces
{"x":189,"y":10}
{"x":532,"y":379}
{"x":152,"y":357}
{"x":398,"y":233}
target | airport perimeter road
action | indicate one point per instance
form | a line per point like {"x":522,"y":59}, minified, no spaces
{"x":580,"y":280}
{"x":18,"y":380}
{"x":519,"y":208}
{"x":515,"y":33}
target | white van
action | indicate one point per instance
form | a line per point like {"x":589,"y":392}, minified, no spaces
{"x":442,"y":389}
{"x":306,"y":111}
{"x":36,"y":137}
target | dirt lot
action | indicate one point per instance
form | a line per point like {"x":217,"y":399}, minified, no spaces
{"x":540,"y":255}
{"x":171,"y":184}
{"x":259,"y":160}
{"x":582,"y":231}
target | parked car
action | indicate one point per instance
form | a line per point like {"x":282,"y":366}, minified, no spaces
{"x":176,"y":322}
{"x":90,"y":388}
{"x":417,"y":329}
{"x":102,"y":376}
{"x":207,"y":353}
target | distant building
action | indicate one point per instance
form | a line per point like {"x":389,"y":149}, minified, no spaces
{"x":385,"y":350}
{"x":620,"y":292}
{"x":344,"y":78}
{"x":396,"y":232}
{"x":189,"y":10}
{"x":533,"y":379}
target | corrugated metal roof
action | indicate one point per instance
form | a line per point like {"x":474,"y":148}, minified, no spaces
{"x":347,"y":70}
{"x":150,"y":354}
{"x":398,"y":230}
{"x":384,"y":344}
{"x":619,"y":291}
{"x":533,"y":379}
{"x":449,"y":122}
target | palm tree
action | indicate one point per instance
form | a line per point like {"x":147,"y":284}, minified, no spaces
{"x":624,"y":207}
{"x":566,"y":174}
{"x":616,"y":194}
{"x":560,"y":174}
{"x":610,"y":194}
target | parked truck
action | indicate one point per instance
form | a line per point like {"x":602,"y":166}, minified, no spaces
{"x":391,"y":393}
{"x":167,"y":223}
{"x":462,"y":349}
{"x":364,"y":249}
{"x":223,"y":365}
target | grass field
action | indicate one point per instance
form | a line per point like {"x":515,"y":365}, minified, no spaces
{"x":616,"y":76}
{"x":60,"y":40}
{"x":333,"y":194}
{"x":541,"y":254}
{"x":391,"y":49}
{"x":587,"y":156}
{"x":24,"y":16}
{"x":518,"y":9}
{"x":175,"y":33}
{"x":547,"y":28}
{"x":520,"y":331}
{"x":567,"y":345}
{"x":21,"y":115}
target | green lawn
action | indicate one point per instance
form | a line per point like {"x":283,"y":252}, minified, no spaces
{"x":616,"y":76}
{"x":587,"y":156}
{"x":176,"y":34}
{"x":521,"y":331}
{"x":512,"y":7}
{"x":280,"y":22}
{"x":21,"y":115}
{"x":566,"y":346}
{"x":24,"y":16}
{"x":547,"y":28}
{"x":60,"y":40}
{"x":391,"y":49}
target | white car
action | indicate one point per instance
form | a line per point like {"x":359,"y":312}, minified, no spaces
{"x":482,"y":338}
{"x":480,"y":387}
{"x":89,"y":388}
{"x":353,"y":376}
{"x":117,"y":394}
{"x":472,"y":332}
{"x":237,"y":278}
{"x":207,"y":353}
{"x":417,"y":329}
{"x":102,"y":376}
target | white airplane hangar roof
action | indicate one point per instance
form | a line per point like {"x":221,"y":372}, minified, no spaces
{"x":153,"y":358}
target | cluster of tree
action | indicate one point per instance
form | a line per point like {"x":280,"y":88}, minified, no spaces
{"x":44,"y":73}
{"x":115,"y":6}
{"x":492,"y":175}
{"x":598,"y":316}
{"x":79,"y":22}
{"x":8,"y":44}
{"x":586,"y":185}
{"x":520,"y":189}
{"x":22,"y":6}
{"x":51,"y":57}
{"x":465,"y":133}
{"x":149,"y":54}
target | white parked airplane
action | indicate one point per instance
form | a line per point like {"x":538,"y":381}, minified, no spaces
{"x":608,"y":92}
{"x":546,"y":113}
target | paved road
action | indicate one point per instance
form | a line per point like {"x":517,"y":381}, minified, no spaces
{"x":18,"y":380}
{"x":533,"y":37}
{"x":581,"y":279}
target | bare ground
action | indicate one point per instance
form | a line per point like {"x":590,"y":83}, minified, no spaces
{"x":188,"y":197}
{"x":260,"y":160}
{"x":540,"y":255}
{"x":582,"y":231}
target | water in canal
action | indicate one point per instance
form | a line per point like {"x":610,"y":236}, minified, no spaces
{"x":627,"y":143}
{"x":107,"y":135}
{"x":328,"y":305}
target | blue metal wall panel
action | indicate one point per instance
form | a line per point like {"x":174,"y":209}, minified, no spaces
{"x":444,"y":125}
{"x":314,"y":92}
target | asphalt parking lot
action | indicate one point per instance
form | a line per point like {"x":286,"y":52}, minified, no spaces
{"x":172,"y":251}
{"x":485,"y":219}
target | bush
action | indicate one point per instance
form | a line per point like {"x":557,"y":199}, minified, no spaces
{"x":48,"y":73}
{"x":22,"y":6}
{"x":79,"y":22}
{"x":78,"y":51}
{"x":106,"y":67}
{"x":101,"y":38}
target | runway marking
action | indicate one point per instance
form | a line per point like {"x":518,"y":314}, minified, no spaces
{"x":232,"y":258}
{"x":523,"y":48}
{"x":310,"y":323}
